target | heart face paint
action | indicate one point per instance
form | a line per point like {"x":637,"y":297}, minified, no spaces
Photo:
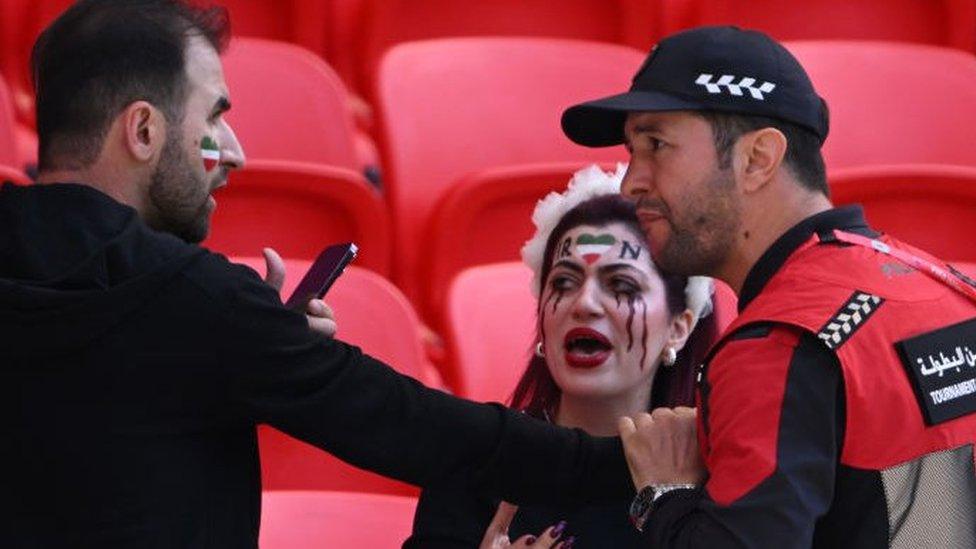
{"x":590,"y":247}
{"x":210,"y":153}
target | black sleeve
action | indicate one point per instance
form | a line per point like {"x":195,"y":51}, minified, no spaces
{"x":773,"y":418}
{"x":330,"y":394}
{"x":450,"y":518}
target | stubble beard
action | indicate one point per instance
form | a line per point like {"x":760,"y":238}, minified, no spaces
{"x":178,"y":195}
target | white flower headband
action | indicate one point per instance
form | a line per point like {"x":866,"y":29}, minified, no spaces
{"x":588,"y":183}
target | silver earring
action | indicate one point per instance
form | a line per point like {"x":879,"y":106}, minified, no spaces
{"x":670,"y":357}
{"x":539,"y":351}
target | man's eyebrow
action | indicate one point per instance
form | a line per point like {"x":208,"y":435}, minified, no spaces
{"x":221,"y":106}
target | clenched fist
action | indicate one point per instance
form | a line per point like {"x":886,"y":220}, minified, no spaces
{"x":662,"y":448}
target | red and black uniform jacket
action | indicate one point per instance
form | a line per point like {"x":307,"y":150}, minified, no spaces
{"x":837,"y":410}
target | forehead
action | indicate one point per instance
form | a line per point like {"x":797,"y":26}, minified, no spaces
{"x":673,"y":122}
{"x":603,"y":244}
{"x":205,"y":74}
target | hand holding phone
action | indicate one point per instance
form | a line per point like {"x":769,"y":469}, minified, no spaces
{"x":324,"y":271}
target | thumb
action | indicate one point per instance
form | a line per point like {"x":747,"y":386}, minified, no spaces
{"x":275,"y":276}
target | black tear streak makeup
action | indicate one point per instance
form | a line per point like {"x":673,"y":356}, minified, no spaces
{"x":644,"y":337}
{"x":632,"y":303}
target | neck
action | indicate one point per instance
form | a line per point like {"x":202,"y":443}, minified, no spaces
{"x":763,"y":225}
{"x":105,"y":181}
{"x":598,"y":416}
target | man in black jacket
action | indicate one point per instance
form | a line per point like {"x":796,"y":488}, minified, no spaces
{"x":136,"y":364}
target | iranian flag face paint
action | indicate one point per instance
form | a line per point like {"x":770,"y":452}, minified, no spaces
{"x":590,"y":247}
{"x":210,"y":153}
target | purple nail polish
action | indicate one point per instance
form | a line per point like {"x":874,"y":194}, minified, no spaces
{"x":530,"y":540}
{"x":568,"y":544}
{"x":558,"y":530}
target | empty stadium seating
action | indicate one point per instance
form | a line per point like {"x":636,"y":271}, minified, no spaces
{"x":894,"y":103}
{"x":299,"y":209}
{"x":8,"y":139}
{"x":14,"y":175}
{"x":484,"y":218}
{"x":288,"y":104}
{"x":456,"y":106}
{"x":930,"y":206}
{"x":374,"y":315}
{"x":935,"y":22}
{"x":327,"y":520}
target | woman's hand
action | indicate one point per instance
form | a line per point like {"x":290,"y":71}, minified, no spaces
{"x":496,"y":536}
{"x":662,"y":447}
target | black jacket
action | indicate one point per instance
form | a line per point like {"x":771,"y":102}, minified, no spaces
{"x":135,"y":367}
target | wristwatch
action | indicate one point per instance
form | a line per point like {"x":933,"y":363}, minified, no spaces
{"x":643,"y":503}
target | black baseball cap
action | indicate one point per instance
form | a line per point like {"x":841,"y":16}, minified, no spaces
{"x":724,"y":69}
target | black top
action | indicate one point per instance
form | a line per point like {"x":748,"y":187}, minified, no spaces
{"x":452,"y":519}
{"x":135,"y":368}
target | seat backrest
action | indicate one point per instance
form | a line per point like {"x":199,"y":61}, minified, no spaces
{"x":491,"y":325}
{"x":485,"y":217}
{"x":299,"y":209}
{"x":893,"y":102}
{"x":456,"y":106}
{"x":929,"y":206}
{"x":8,"y":139}
{"x":288,"y":104}
{"x":291,"y":520}
{"x":373,"y":315}
{"x":934,"y":22}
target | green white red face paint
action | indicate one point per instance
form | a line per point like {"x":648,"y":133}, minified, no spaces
{"x":210,"y":152}
{"x":591,"y":247}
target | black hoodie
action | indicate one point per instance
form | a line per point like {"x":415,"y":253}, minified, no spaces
{"x":135,"y":367}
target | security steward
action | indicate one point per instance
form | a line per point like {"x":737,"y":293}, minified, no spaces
{"x":838,"y":409}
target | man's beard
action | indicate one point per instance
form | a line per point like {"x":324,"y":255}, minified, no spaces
{"x":701,"y":240}
{"x":179,"y":196}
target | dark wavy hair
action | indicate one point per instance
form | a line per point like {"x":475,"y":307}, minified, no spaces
{"x":537,"y":393}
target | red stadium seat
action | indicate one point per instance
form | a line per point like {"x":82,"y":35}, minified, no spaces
{"x":484,"y":218}
{"x":288,"y":104}
{"x":327,"y":520}
{"x":375,"y":316}
{"x":387,"y":23}
{"x":13,"y":175}
{"x":894,"y":103}
{"x":299,"y":209}
{"x":456,"y":106}
{"x":935,"y":22}
{"x":929,"y":206}
{"x":491,"y":325}
{"x":8,"y":128}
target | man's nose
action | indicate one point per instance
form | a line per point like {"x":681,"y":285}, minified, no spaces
{"x":231,"y":152}
{"x":637,"y":180}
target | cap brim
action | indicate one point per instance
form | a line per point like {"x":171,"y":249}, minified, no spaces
{"x":600,"y":123}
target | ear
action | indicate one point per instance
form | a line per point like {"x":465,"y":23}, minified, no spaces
{"x":681,"y":326}
{"x":143,"y":131}
{"x":761,"y":153}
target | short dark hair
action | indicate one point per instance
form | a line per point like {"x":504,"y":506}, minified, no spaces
{"x":537,"y":393}
{"x":802,"y":150}
{"x":100,"y":56}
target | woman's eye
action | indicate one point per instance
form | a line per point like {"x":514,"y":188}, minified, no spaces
{"x":624,"y":286}
{"x":561,"y":283}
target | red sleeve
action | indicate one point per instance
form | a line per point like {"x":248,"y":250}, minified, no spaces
{"x":747,"y":384}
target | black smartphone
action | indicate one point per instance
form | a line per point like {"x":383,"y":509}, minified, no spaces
{"x":322,"y":274}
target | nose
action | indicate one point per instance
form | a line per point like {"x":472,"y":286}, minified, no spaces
{"x":587,"y":303}
{"x":231,"y":153}
{"x":637,"y":180}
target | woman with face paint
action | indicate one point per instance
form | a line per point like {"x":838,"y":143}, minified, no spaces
{"x":615,"y":337}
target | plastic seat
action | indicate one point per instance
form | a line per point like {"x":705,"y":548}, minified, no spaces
{"x":491,"y":326}
{"x":453,"y":107}
{"x":935,"y":22}
{"x":375,"y":316}
{"x":8,"y":173}
{"x":894,"y":103}
{"x":8,"y":140}
{"x":288,"y":104}
{"x":326,"y":520}
{"x":299,"y":209}
{"x":929,"y":206}
{"x":484,"y":218}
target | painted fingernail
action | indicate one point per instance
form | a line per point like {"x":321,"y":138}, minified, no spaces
{"x":530,"y":540}
{"x":568,"y":544}
{"x":558,"y":530}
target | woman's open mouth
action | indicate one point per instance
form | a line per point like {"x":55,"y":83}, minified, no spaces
{"x":586,"y":348}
